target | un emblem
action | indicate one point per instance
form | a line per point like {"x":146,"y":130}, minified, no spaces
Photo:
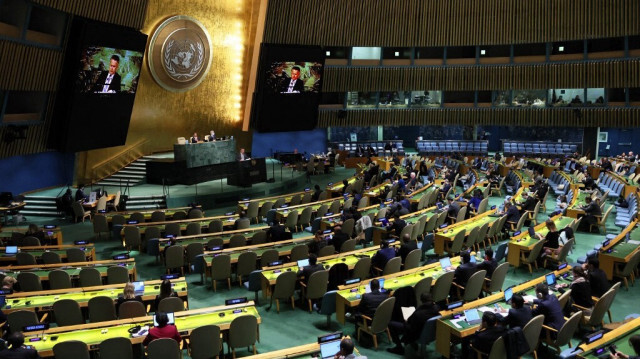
{"x":179,"y":53}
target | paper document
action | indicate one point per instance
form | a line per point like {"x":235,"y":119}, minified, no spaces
{"x":455,"y":322}
{"x":634,"y":242}
{"x":407,"y":312}
{"x":528,"y":298}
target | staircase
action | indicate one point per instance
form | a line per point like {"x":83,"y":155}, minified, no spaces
{"x":134,"y":173}
{"x":146,"y":202}
{"x":40,"y":206}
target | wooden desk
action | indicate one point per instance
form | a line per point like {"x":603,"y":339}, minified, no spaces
{"x":574,"y":209}
{"x":379,"y":232}
{"x":243,"y":205}
{"x":447,"y":333}
{"x":94,"y":204}
{"x":168,"y":212}
{"x":336,"y":189}
{"x":524,"y":243}
{"x":42,"y":301}
{"x":54,"y":235}
{"x":621,"y":251}
{"x":227,"y":221}
{"x":618,"y":337}
{"x":447,"y":234}
{"x":73,"y":269}
{"x":94,"y":333}
{"x":37,"y":251}
{"x":348,"y":296}
{"x":206,"y":237}
{"x":15,"y":206}
{"x":283,"y":213}
{"x":299,"y":352}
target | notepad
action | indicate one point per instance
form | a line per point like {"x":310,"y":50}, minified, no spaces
{"x":407,"y":312}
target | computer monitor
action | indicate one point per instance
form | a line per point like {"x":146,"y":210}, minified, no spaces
{"x":551,"y":279}
{"x":445,"y":262}
{"x":138,"y":288}
{"x":329,"y":349}
{"x":384,"y":221}
{"x":508,"y":294}
{"x":303,"y":263}
{"x":472,"y":316}
{"x":172,"y":319}
{"x":11,"y":249}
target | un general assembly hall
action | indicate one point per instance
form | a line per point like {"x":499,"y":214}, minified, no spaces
{"x":319,"y":179}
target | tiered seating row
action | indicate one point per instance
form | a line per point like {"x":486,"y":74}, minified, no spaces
{"x":558,"y":183}
{"x":436,"y":148}
{"x":624,"y":216}
{"x":609,"y":183}
{"x":532,"y":149}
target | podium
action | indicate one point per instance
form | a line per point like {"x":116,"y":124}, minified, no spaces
{"x":248,"y":172}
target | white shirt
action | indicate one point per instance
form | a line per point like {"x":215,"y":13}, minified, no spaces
{"x":107,"y":82}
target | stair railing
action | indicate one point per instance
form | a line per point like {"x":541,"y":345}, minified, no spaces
{"x":118,"y":161}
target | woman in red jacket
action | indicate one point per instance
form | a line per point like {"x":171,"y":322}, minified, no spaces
{"x":163,"y":330}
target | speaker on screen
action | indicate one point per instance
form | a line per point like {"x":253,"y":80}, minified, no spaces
{"x":98,"y":85}
{"x":288,"y":88}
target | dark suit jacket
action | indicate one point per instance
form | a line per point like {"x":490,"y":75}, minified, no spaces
{"x":338,"y":239}
{"x":513,"y":215}
{"x":599,"y":282}
{"x":581,"y":294}
{"x":239,"y":157}
{"x":19,"y":353}
{"x":529,"y":204}
{"x":406,"y":248}
{"x":370,"y":302}
{"x":463,"y":273}
{"x":307,"y":271}
{"x":489,"y":266}
{"x":382,"y":256}
{"x":298,"y":86}
{"x":316,"y":246}
{"x":113,"y":86}
{"x":518,"y":317}
{"x":277,"y":233}
{"x":397,"y":226}
{"x":484,"y":339}
{"x":80,"y":195}
{"x":454,"y":208}
{"x":195,"y":139}
{"x":417,"y":320}
{"x":593,"y":209}
{"x":550,"y":308}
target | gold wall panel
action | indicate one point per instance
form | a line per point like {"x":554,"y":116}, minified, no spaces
{"x":607,"y":117}
{"x":160,"y":116}
{"x":446,"y":23}
{"x":606,"y":74}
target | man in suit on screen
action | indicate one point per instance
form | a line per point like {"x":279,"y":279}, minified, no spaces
{"x":109,"y":82}
{"x":294,"y":85}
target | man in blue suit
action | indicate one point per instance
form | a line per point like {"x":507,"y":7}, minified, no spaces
{"x":548,"y":306}
{"x":383,"y":255}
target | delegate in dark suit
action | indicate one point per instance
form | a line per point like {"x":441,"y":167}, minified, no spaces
{"x":406,"y":248}
{"x":19,"y":353}
{"x":529,"y":204}
{"x":277,"y":233}
{"x":338,"y":239}
{"x":550,"y":308}
{"x":397,"y":226}
{"x":513,"y":215}
{"x":518,"y":317}
{"x":598,"y":281}
{"x":484,"y":339}
{"x":370,"y":302}
{"x":292,"y":86}
{"x":463,"y":273}
{"x":101,"y":83}
{"x":383,"y":255}
{"x":489,"y":265}
{"x":307,"y":271}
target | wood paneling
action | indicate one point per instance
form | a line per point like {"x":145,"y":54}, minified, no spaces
{"x":606,"y":74}
{"x":128,"y":13}
{"x":609,"y":117}
{"x":27,"y":68}
{"x":446,"y":23}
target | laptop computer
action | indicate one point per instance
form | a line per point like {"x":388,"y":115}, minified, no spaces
{"x":138,"y":288}
{"x":473,"y":259}
{"x":384,"y":221}
{"x":303,"y":263}
{"x":10,"y":251}
{"x":329,"y":349}
{"x":172,"y":319}
{"x":508,"y":294}
{"x":551,"y":279}
{"x":445,"y":263}
{"x":472,"y":317}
